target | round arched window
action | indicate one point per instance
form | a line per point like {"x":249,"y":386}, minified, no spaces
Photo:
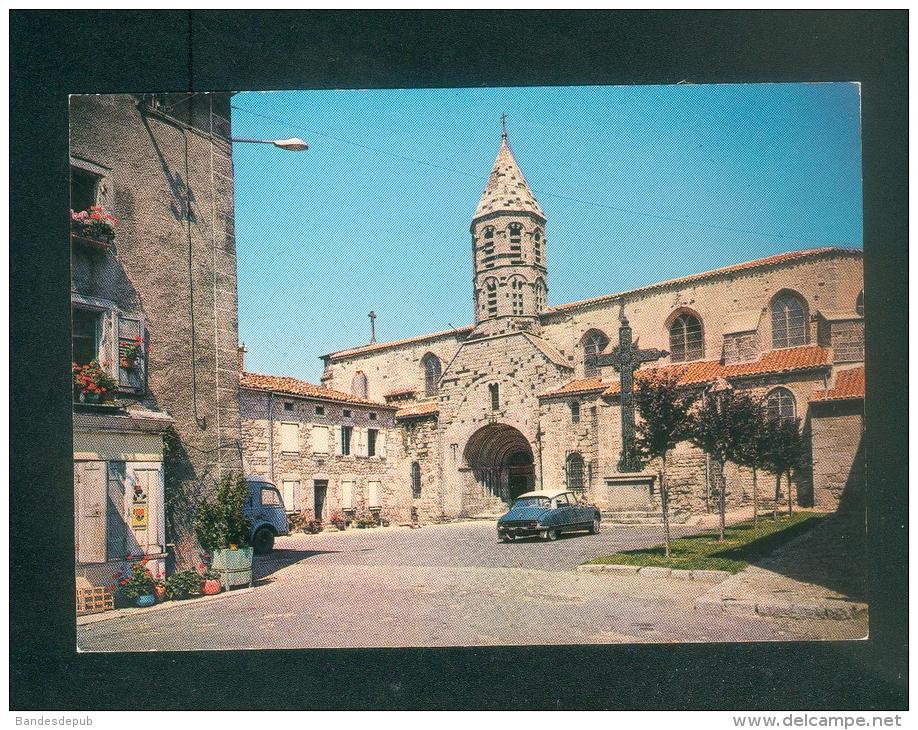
{"x":686,"y":340}
{"x":788,"y":321}
{"x":575,"y":469}
{"x":593,"y":344}
{"x":432,"y":371}
{"x":415,"y":479}
{"x":781,"y":405}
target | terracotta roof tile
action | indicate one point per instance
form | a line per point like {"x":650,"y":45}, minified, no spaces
{"x":294,"y":386}
{"x":417,"y":410}
{"x":400,"y":392}
{"x":706,"y":371}
{"x":757,"y":263}
{"x":575,"y":387}
{"x":849,"y":385}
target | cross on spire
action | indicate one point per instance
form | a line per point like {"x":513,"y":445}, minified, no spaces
{"x":503,"y":124}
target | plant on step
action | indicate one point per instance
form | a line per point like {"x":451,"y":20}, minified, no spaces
{"x":94,"y":223}
{"x":221,"y":522}
{"x":367,"y":520}
{"x":298,"y":521}
{"x":140,"y":581}
{"x":183,"y":584}
{"x":666,"y":419}
{"x":338,"y":520}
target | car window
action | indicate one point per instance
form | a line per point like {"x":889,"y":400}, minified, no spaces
{"x":532,"y":502}
{"x":270,"y":496}
{"x":561,"y":499}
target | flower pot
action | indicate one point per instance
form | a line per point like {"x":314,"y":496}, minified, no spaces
{"x":146,"y":600}
{"x":211,"y":587}
{"x":234,"y":566}
{"x":92,"y":398}
{"x":160,"y":592}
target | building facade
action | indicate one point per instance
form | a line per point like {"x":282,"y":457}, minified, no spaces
{"x":154,"y":311}
{"x":516,"y":400}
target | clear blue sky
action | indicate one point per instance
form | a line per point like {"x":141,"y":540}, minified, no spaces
{"x":665,"y":180}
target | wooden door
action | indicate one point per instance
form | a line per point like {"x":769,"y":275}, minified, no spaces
{"x":90,"y":500}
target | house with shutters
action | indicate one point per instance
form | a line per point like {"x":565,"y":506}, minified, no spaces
{"x":154,"y":319}
{"x":327,"y":451}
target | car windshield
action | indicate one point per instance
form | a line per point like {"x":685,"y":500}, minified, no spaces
{"x":532,"y":502}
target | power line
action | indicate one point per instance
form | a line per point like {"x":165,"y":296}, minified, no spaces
{"x":542,"y":193}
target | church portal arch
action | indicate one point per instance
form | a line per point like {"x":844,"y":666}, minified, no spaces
{"x":501,"y":461}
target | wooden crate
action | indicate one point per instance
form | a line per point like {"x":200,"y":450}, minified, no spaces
{"x":93,"y":599}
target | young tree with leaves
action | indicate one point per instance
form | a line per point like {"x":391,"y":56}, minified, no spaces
{"x":786,"y":447}
{"x":665,"y":413}
{"x":751,"y":442}
{"x":714,"y":432}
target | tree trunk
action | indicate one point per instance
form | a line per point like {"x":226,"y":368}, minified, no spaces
{"x":722,"y":499}
{"x":755,"y":497}
{"x":777,"y":494}
{"x":790,"y":495}
{"x":664,"y":501}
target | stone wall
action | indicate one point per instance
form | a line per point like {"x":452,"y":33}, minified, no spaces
{"x":417,"y":440}
{"x":311,"y":464}
{"x":839,"y":470}
{"x":171,"y":261}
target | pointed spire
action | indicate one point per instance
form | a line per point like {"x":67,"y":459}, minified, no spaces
{"x":507,"y":189}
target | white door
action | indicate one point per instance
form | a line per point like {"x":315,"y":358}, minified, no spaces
{"x":90,"y":497}
{"x":149,"y":477}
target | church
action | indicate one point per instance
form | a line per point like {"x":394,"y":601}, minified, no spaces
{"x":462,"y":421}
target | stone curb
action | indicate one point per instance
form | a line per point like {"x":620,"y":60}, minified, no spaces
{"x":653,"y":571}
{"x":125,"y":612}
{"x":832,"y":611}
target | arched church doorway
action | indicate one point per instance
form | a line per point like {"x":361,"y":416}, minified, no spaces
{"x":501,"y":461}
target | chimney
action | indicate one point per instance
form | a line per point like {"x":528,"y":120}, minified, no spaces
{"x":241,"y":350}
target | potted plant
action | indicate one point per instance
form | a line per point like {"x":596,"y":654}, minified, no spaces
{"x":337,"y":519}
{"x":183,"y":584}
{"x":140,"y":585}
{"x":91,"y":383}
{"x":131,"y":351}
{"x":94,"y":224}
{"x":223,"y":530}
{"x":211,"y":580}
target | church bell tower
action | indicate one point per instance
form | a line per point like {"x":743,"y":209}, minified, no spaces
{"x":508,"y":241}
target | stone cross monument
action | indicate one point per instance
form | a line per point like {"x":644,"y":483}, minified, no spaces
{"x":626,"y":358}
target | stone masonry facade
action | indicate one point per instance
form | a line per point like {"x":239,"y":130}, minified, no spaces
{"x":162,"y":164}
{"x":514,"y":401}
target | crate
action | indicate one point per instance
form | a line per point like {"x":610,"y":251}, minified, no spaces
{"x":93,"y":599}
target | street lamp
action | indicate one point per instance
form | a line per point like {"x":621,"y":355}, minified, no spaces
{"x":294,"y":144}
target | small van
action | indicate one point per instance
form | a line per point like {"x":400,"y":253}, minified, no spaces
{"x":265,"y":507}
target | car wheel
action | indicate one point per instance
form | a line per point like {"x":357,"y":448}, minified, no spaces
{"x":594,"y":528}
{"x":553,"y":534}
{"x":263,"y":542}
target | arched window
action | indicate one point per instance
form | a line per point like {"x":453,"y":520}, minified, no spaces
{"x":574,"y":470}
{"x":540,"y":295}
{"x":432,"y":371}
{"x":781,"y":405}
{"x":517,"y":286}
{"x":491,"y":291}
{"x":788,"y":321}
{"x":575,"y":411}
{"x":494,"y":391}
{"x":537,"y":246}
{"x":859,"y":304}
{"x":515,"y":236}
{"x":594,"y":342}
{"x":487,"y":250}
{"x":359,"y":384}
{"x":686,"y":341}
{"x":415,"y":479}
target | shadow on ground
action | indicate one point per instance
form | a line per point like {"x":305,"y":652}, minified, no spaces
{"x":266,"y":565}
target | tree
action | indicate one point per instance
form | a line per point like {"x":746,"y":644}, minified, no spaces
{"x":665,"y":411}
{"x":751,"y":442}
{"x":717,"y":428}
{"x":786,"y":447}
